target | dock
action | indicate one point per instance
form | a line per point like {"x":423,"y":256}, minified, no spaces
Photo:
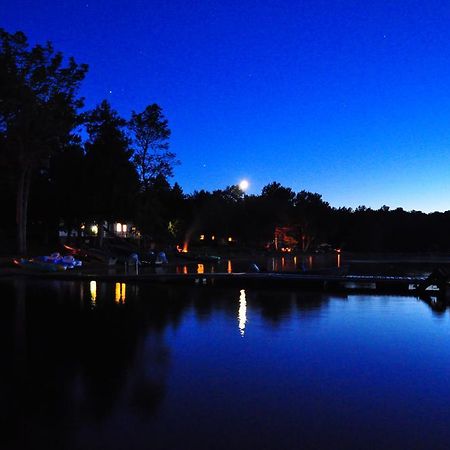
{"x":322,"y":282}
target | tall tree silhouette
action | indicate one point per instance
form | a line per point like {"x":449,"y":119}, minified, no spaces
{"x":38,"y":112}
{"x":111,"y":180}
{"x":151,"y":133}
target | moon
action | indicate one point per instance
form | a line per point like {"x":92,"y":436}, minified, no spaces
{"x":243,"y":185}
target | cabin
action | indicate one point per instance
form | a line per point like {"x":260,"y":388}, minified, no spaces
{"x":91,"y":229}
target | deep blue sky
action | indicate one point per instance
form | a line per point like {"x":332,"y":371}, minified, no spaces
{"x":350,"y":99}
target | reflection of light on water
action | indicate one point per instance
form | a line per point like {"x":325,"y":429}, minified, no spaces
{"x":295,"y":262}
{"x":93,"y":290}
{"x":120,"y":293}
{"x":242,"y":314}
{"x":200,"y":268}
{"x":283,"y":263}
{"x":185,"y":270}
{"x":229,"y":267}
{"x":339,"y":260}
{"x":310,"y":262}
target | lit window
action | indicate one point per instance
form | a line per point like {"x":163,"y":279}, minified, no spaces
{"x":119,"y":227}
{"x":202,"y":237}
{"x":124,"y":227}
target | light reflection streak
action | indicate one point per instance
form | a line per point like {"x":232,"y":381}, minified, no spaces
{"x":242,"y":314}
{"x":120,"y":296}
{"x":229,"y":267}
{"x":93,"y":291}
{"x":339,"y":260}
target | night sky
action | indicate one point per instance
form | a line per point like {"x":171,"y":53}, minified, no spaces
{"x":350,"y":99}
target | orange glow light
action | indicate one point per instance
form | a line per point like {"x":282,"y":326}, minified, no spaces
{"x":200,"y":268}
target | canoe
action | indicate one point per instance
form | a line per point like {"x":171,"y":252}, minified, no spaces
{"x":41,"y":266}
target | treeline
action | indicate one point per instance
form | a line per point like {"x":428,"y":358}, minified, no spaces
{"x":307,"y":221}
{"x":62,"y":168}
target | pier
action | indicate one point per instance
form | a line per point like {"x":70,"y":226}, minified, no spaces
{"x":332,"y":282}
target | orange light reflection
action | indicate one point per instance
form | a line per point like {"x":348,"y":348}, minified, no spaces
{"x":120,"y":294}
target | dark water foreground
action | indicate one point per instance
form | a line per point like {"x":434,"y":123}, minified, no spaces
{"x":112,"y":366}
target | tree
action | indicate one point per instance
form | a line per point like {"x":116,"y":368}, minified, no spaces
{"x":276,"y":205}
{"x":151,"y":133}
{"x":312,"y":218}
{"x":38,"y":112}
{"x":111,"y":179}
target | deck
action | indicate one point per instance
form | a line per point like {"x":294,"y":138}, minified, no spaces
{"x":333,"y":282}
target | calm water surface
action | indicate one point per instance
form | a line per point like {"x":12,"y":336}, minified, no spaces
{"x":115,"y":366}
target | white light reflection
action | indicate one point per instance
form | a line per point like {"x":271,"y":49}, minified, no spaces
{"x":242,"y":314}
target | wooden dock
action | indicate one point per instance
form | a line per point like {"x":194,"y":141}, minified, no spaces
{"x":335,"y":282}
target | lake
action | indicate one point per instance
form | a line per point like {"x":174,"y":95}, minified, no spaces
{"x":96,"y":365}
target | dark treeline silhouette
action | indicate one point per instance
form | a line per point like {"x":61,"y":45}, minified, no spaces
{"x":62,"y":168}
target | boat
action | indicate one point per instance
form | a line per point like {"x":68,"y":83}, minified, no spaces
{"x":39,"y":265}
{"x":51,"y":263}
{"x":67,"y":261}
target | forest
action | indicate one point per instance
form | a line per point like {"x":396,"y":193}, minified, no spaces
{"x":63,"y":167}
